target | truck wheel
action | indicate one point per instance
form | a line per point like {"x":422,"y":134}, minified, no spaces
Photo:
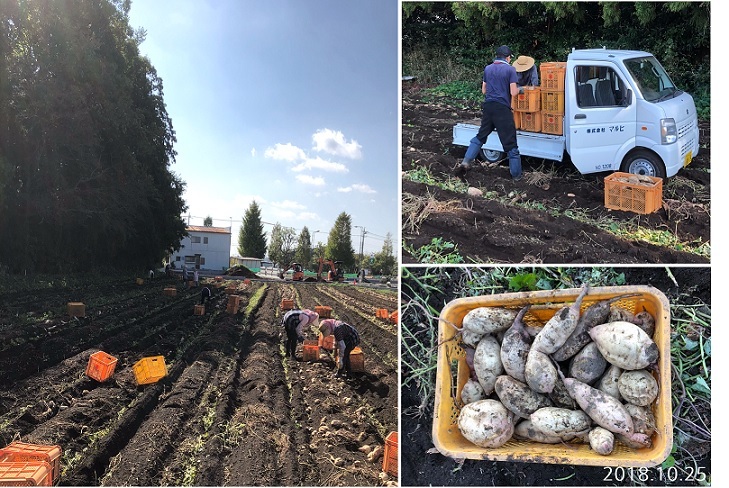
{"x":492,"y":156}
{"x":643,"y":162}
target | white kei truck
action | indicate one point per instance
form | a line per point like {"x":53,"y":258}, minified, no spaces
{"x":622,"y":112}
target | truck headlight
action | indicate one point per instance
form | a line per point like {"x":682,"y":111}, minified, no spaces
{"x":668,"y":131}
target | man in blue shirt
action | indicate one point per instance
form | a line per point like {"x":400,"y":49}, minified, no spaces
{"x":499,"y":85}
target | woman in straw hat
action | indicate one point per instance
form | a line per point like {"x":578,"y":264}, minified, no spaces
{"x":293,"y":322}
{"x":526,"y":71}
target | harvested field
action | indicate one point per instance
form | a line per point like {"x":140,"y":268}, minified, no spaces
{"x":231,"y":410}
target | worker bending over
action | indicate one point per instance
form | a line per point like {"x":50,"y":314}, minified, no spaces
{"x":346,"y":338}
{"x":293,"y":322}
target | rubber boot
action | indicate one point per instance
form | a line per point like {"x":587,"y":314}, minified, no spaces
{"x":464,"y":167}
{"x":515,"y":164}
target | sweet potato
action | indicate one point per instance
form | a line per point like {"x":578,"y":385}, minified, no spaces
{"x":488,"y":320}
{"x":560,"y":422}
{"x":595,"y":314}
{"x":609,"y":382}
{"x":625,"y":345}
{"x":638,"y":387}
{"x":540,"y":373}
{"x":645,"y":321}
{"x":518,"y":397}
{"x":559,"y":327}
{"x":602,"y":441}
{"x":471,"y":392}
{"x":487,"y":363}
{"x":561,"y":397}
{"x":588,"y":365}
{"x":486,"y":423}
{"x":643,"y":419}
{"x":515,"y":347}
{"x":605,"y":410}
{"x":470,"y":338}
{"x":526,"y":431}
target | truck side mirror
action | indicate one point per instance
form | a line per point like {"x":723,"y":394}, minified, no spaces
{"x":628,"y":98}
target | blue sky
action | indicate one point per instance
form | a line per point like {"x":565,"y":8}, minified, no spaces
{"x":293,"y":104}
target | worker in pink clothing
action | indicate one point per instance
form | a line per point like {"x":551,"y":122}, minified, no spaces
{"x":346,"y":338}
{"x":294,"y":322}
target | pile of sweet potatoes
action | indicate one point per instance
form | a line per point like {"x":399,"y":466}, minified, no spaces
{"x":584,"y":376}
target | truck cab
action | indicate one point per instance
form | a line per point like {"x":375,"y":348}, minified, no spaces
{"x":622,"y":112}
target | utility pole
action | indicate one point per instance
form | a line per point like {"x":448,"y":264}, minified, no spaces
{"x":361,"y":241}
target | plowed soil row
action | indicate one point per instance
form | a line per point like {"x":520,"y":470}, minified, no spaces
{"x":231,"y":410}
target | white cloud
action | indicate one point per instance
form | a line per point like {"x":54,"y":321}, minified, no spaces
{"x":322,"y":164}
{"x":333,"y":142}
{"x":289,"y":205}
{"x":310,"y":180}
{"x":253,"y":152}
{"x":285,"y":152}
{"x":356,"y":187}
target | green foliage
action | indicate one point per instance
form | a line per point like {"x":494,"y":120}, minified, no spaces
{"x":446,"y":42}
{"x":281,"y":249}
{"x":438,"y":251}
{"x":385,"y":261}
{"x":92,"y":142}
{"x":303,"y":252}
{"x":523,"y":281}
{"x":339,"y":243}
{"x":208,"y":222}
{"x":251,"y":237}
{"x":464,"y":90}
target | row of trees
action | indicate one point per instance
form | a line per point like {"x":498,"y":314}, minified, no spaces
{"x":438,"y":38}
{"x":285,"y":246}
{"x":86,"y":143}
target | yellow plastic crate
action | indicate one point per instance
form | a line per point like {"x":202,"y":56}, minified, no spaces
{"x":527,"y":101}
{"x":553,"y":102}
{"x":552,"y":123}
{"x":149,"y":370}
{"x":449,"y":381}
{"x":531,"y":121}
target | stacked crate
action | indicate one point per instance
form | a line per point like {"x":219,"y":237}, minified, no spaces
{"x":526,"y":109}
{"x":552,"y":97}
{"x":24,"y":464}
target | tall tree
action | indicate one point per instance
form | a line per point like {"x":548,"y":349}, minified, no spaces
{"x":281,"y":249}
{"x":251,"y":238}
{"x":303,"y":248}
{"x":208,"y":222}
{"x":339,"y":244}
{"x":85,"y":141}
{"x":385,"y":262}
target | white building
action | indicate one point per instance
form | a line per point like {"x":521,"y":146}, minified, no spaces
{"x":204,"y":248}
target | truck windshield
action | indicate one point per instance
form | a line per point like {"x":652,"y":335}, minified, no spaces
{"x":651,"y":79}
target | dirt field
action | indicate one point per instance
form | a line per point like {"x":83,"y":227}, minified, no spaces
{"x":422,"y":465}
{"x":526,"y":221}
{"x":231,"y":411}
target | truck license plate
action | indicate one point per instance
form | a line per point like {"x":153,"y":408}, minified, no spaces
{"x":687,"y":158}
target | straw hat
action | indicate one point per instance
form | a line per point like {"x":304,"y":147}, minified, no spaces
{"x":523,"y":63}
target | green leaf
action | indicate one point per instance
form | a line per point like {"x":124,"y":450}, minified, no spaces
{"x":669,"y":462}
{"x":701,"y":386}
{"x":689,"y":345}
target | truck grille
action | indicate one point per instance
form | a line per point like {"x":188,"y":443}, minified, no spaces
{"x":685,"y":133}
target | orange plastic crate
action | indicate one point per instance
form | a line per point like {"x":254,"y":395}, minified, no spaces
{"x":233,"y":304}
{"x":231,"y":289}
{"x":527,"y":101}
{"x":382,"y":313}
{"x":101,"y":366}
{"x":552,"y":124}
{"x":199,"y":310}
{"x":311,"y":350}
{"x":517,"y":119}
{"x":633,"y":193}
{"x":531,"y":121}
{"x":140,"y":281}
{"x":35,"y":473}
{"x":356,"y":360}
{"x":324,"y":312}
{"x":76,"y":309}
{"x":394,"y":317}
{"x":26,"y":452}
{"x":170,"y":292}
{"x":326,"y":342}
{"x":553,"y":102}
{"x":551,"y":75}
{"x":149,"y":370}
{"x":287,"y":304}
{"x":389,"y":461}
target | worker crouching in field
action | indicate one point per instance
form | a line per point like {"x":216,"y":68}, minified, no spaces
{"x":346,"y":338}
{"x":205,"y":294}
{"x":293,"y":322}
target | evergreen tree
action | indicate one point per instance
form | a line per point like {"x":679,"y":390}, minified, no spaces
{"x":385,"y":262}
{"x":339,"y":244}
{"x":251,"y":238}
{"x":281,"y":248}
{"x":303,"y":249}
{"x":208,"y":222}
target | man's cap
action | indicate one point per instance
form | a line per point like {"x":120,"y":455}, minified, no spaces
{"x":503,"y":51}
